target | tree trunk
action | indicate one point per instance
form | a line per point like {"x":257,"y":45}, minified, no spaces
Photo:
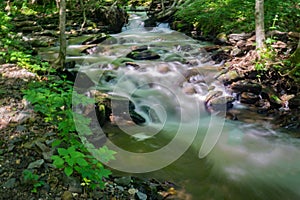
{"x":259,"y":24}
{"x":62,"y":37}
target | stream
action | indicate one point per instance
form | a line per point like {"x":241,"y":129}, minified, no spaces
{"x":207,"y":155}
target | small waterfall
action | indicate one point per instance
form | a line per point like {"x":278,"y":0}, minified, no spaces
{"x":211,"y":157}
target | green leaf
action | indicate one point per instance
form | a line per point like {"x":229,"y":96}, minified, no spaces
{"x":82,"y":162}
{"x":56,"y":143}
{"x":63,"y":151}
{"x":104,"y":154}
{"x":68,"y":170}
{"x":76,"y":154}
{"x":105,"y":172}
{"x":58,"y":161}
{"x":70,"y":161}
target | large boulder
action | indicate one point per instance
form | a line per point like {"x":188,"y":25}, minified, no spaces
{"x":113,"y":17}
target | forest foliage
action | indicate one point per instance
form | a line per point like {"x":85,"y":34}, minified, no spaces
{"x":213,"y":17}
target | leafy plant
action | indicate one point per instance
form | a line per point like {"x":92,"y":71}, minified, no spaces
{"x":53,"y":99}
{"x":32,"y":179}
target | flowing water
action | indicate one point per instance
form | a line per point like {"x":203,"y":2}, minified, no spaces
{"x":208,"y":156}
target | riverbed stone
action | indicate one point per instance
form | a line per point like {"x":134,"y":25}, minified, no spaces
{"x":246,"y":86}
{"x":229,"y":76}
{"x":175,"y":57}
{"x":221,"y":103}
{"x":143,"y":55}
{"x":95,"y":39}
{"x":249,"y":98}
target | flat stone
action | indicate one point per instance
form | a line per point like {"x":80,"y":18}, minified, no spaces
{"x":36,"y":164}
{"x":42,"y":146}
{"x":143,"y":55}
{"x":244,"y":86}
{"x":125,"y":181}
{"x":175,"y":57}
{"x":10,"y":183}
{"x":221,"y":103}
{"x":47,"y":155}
{"x":95,"y":40}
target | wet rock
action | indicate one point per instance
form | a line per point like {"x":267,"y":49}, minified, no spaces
{"x":150,"y":22}
{"x":229,"y":76}
{"x":249,"y":98}
{"x":132,"y":65}
{"x":143,"y":55}
{"x":36,"y":164}
{"x":175,"y":57}
{"x":120,"y":61}
{"x":221,"y":38}
{"x":139,"y":48}
{"x":163,"y":68}
{"x":110,"y":40}
{"x":222,"y":103}
{"x":96,"y":39}
{"x":213,"y":94}
{"x":115,"y":17}
{"x":245,"y":86}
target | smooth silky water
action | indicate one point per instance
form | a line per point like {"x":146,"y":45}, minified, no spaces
{"x":217,"y":158}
